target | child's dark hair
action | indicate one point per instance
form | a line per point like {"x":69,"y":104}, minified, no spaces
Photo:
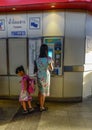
{"x":20,"y":68}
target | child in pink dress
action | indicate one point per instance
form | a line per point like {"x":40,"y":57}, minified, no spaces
{"x":25,"y":98}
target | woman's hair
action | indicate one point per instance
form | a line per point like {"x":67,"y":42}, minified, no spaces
{"x":20,"y":68}
{"x":43,"y":50}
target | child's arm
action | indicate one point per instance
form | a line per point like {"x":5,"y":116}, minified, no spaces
{"x":25,"y":85}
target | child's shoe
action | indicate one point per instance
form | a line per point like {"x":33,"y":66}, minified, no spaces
{"x":30,"y":110}
{"x":25,"y":111}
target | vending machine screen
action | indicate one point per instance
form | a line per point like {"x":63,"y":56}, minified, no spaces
{"x":50,"y":53}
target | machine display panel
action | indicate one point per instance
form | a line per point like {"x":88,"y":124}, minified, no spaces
{"x":50,"y":53}
{"x":55,"y":51}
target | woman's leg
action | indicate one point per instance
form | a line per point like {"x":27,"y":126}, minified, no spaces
{"x":42,"y":100}
{"x":38,"y":103}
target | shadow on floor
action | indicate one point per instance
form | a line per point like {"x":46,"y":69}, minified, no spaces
{"x":26,"y":121}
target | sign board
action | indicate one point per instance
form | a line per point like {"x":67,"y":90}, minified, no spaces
{"x":3,"y":29}
{"x":17,"y":25}
{"x":35,"y":25}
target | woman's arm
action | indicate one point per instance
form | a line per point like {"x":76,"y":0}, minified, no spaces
{"x":51,"y":66}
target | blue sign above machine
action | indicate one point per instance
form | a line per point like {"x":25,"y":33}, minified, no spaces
{"x":34,"y":23}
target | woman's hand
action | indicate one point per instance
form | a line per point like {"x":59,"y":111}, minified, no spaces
{"x":50,"y":67}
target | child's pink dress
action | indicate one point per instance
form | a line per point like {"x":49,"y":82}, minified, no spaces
{"x":24,"y":95}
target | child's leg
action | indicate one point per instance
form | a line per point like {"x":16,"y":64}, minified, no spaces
{"x":24,"y":105}
{"x":31,"y":109}
{"x":29,"y":104}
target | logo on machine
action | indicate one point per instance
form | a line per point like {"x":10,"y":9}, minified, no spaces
{"x":2,"y":24}
{"x":34,"y":23}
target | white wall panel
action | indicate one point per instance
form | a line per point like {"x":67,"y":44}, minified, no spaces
{"x":15,"y":86}
{"x":56,"y":87}
{"x":73,"y":82}
{"x":87,"y":83}
{"x":53,"y":23}
{"x":17,"y":54}
{"x":74,"y":52}
{"x":87,"y":76}
{"x":89,"y":24}
{"x":88,"y":50}
{"x":74,"y":38}
{"x":4,"y":86}
{"x":3,"y":57}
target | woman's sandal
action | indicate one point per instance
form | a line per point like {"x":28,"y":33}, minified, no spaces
{"x":43,"y":109}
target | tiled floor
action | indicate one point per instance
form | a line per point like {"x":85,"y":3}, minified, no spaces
{"x":8,"y":108}
{"x":60,"y":116}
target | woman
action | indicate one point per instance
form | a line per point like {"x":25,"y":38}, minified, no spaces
{"x":44,"y":64}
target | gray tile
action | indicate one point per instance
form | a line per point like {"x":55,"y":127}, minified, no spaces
{"x":60,"y":116}
{"x":56,"y":122}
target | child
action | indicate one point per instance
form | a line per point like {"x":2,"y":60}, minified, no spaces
{"x":24,"y":95}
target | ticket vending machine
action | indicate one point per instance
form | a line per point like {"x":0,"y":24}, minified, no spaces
{"x":55,"y":50}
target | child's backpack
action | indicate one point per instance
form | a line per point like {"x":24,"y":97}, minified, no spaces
{"x":31,"y":85}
